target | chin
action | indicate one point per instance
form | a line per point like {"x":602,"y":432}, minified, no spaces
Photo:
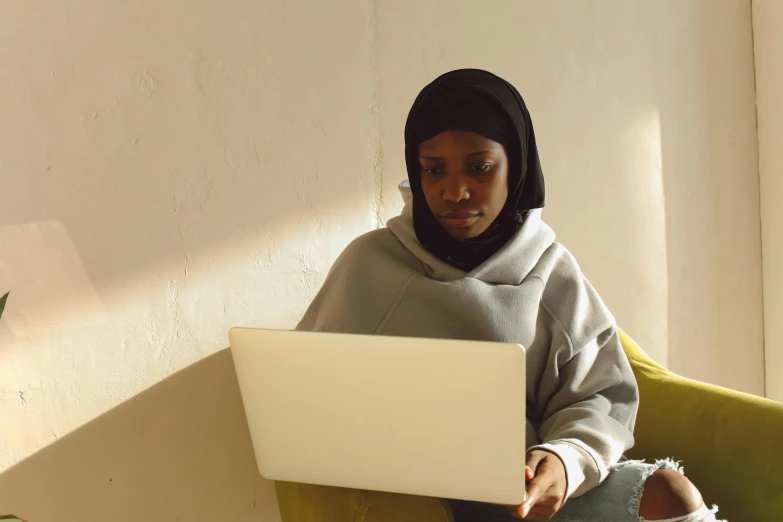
{"x":463,"y":233}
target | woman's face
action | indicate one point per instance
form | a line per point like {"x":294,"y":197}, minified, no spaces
{"x":464,"y":177}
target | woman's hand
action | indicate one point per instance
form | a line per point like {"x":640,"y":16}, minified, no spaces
{"x":546,"y":486}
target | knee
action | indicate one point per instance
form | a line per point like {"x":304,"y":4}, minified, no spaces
{"x":668,"y":494}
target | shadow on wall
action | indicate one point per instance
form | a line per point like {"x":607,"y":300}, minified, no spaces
{"x":180,"y":450}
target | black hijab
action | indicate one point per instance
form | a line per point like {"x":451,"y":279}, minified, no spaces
{"x":476,"y":101}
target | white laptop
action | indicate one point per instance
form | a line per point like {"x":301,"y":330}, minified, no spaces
{"x":438,"y":418}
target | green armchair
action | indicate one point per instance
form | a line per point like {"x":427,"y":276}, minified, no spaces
{"x":730,"y":443}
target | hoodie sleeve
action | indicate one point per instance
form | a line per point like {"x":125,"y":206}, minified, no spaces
{"x":588,"y":397}
{"x":354,"y":298}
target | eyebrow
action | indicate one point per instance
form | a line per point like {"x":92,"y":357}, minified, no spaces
{"x":477,"y":153}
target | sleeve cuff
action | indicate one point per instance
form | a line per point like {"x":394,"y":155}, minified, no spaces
{"x":582,"y":472}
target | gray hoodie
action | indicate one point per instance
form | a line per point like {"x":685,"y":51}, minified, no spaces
{"x":581,"y":394}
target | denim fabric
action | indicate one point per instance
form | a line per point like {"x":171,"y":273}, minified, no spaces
{"x":615,"y":500}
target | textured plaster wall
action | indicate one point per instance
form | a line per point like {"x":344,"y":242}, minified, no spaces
{"x":645,"y":118}
{"x":171,"y":169}
{"x":167,"y":171}
{"x":768,"y":38}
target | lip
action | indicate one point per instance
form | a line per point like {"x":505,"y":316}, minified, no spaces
{"x":459,"y":220}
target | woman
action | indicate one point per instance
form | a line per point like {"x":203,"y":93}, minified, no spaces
{"x":470,"y":258}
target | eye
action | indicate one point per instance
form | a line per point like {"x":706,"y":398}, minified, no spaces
{"x":482,"y":167}
{"x":433,"y":171}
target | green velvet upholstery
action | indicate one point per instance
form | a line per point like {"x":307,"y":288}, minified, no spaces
{"x":306,"y":503}
{"x":730,"y":443}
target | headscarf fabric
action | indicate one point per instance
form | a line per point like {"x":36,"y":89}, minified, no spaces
{"x":476,"y":101}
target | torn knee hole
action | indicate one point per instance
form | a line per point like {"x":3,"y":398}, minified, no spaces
{"x":667,"y":494}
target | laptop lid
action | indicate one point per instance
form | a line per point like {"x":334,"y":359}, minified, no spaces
{"x":430,"y":417}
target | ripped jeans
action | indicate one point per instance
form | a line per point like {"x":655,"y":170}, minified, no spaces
{"x":617,"y":499}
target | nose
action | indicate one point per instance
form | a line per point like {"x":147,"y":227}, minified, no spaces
{"x":455,"y":189}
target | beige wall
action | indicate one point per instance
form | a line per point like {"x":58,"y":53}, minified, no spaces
{"x":768,"y":39}
{"x":171,"y":169}
{"x":644,"y":113}
{"x":167,"y":171}
{"x":180,"y":450}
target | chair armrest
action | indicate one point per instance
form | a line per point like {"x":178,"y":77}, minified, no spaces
{"x":731,"y":443}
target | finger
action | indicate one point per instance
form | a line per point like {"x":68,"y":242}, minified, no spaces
{"x":513,"y":511}
{"x":548,"y":504}
{"x":534,"y":492}
{"x":554,"y":492}
{"x":551,"y":500}
{"x":545,"y":509}
{"x":529,"y":474}
{"x":536,"y":489}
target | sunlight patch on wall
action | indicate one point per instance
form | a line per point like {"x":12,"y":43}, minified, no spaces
{"x":644,"y":145}
{"x":69,"y":352}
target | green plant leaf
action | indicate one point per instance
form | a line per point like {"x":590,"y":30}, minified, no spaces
{"x":2,"y":307}
{"x":10,"y":517}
